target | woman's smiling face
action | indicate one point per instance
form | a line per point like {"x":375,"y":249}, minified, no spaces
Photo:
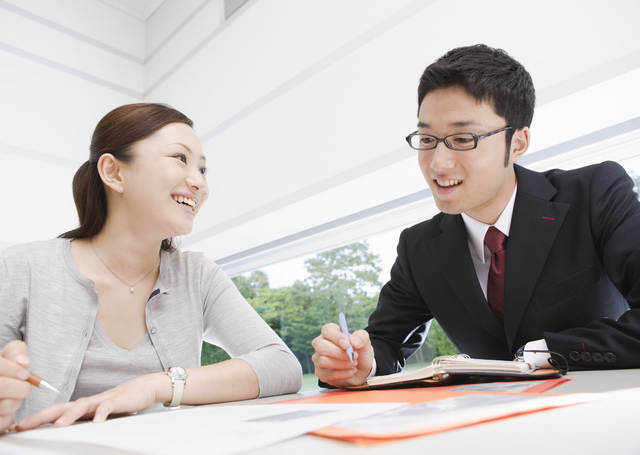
{"x":165,"y":183}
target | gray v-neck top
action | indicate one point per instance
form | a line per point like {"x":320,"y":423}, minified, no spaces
{"x":106,"y":365}
{"x":48,"y":303}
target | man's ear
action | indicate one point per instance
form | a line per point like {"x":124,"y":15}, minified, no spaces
{"x":519,"y":143}
{"x":110,"y":170}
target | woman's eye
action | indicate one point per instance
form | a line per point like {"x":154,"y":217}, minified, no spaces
{"x":203,"y":170}
{"x":181,"y":157}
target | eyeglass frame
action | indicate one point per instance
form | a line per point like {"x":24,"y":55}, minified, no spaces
{"x":475,"y":137}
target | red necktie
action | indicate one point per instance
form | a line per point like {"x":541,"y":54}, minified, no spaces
{"x":496,"y":241}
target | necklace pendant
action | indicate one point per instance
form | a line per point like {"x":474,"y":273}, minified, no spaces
{"x":114,"y":273}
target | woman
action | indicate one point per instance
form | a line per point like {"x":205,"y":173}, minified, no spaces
{"x":111,"y":312}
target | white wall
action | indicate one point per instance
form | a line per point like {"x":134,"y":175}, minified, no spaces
{"x":302,"y":105}
{"x":64,"y":64}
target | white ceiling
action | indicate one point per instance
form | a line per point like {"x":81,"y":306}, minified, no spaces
{"x":140,"y":9}
{"x":302,"y":105}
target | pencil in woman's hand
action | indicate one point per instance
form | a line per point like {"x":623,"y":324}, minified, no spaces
{"x":38,"y":381}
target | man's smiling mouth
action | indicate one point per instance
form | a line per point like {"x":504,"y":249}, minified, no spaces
{"x":446,"y":183}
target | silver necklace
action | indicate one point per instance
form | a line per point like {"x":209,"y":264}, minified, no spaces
{"x":131,"y":286}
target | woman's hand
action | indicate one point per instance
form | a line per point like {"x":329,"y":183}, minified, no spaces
{"x":14,"y":360}
{"x":230,"y":380}
{"x":132,"y":396}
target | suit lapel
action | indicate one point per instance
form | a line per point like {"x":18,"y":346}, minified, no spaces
{"x":451,"y":252}
{"x":536,"y":221}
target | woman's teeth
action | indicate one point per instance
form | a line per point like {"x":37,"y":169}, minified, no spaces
{"x":185,"y":200}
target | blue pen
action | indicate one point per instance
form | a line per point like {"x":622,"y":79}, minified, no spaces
{"x":345,"y":331}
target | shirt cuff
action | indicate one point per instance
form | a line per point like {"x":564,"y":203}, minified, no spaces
{"x":374,"y":369}
{"x":538,"y":359}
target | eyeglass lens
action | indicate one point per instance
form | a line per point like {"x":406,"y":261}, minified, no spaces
{"x":460,"y":141}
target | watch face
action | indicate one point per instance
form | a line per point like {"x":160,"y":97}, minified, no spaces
{"x":178,"y":372}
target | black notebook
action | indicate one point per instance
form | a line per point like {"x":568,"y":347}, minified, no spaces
{"x":459,"y":369}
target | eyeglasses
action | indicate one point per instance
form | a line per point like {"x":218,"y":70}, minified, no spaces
{"x":458,"y":141}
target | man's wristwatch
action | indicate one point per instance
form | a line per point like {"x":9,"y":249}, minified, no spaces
{"x":178,"y":377}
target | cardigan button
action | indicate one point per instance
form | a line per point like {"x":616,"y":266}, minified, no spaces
{"x":152,"y":331}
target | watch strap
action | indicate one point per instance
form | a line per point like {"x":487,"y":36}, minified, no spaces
{"x":177,"y":384}
{"x":178,"y":390}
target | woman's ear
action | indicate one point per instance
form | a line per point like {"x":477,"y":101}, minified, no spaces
{"x":519,"y":143}
{"x":110,"y":170}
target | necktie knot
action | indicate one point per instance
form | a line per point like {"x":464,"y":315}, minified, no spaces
{"x":495,"y":240}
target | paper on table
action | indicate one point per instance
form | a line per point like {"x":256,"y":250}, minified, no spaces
{"x":6,"y":447}
{"x":445,"y":411}
{"x":216,"y":429}
{"x":419,"y":394}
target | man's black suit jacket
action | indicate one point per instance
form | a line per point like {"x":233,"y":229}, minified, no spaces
{"x":572,"y":277}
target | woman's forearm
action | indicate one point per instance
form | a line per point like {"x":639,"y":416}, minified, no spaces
{"x":231,"y":380}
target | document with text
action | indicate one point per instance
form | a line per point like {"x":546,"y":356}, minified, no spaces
{"x":214,"y":429}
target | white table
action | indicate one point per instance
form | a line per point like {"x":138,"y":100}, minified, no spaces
{"x":606,"y":426}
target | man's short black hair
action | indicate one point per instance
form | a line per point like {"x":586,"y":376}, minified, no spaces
{"x":489,"y":75}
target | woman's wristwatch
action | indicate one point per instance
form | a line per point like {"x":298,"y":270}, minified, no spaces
{"x":178,"y":377}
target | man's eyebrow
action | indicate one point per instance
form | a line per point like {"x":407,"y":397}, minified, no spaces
{"x":465,"y":123}
{"x":460,"y":124}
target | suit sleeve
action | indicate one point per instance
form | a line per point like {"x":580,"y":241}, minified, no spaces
{"x":615,"y":225}
{"x":399,"y":324}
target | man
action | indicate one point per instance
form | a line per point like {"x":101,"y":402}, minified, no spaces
{"x":569,"y":282}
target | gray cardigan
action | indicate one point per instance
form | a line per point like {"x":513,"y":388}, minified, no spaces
{"x":48,"y":303}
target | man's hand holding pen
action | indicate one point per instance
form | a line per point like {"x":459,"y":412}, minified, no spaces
{"x":332,"y":363}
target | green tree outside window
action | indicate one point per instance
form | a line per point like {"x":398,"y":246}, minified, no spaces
{"x":344,"y":279}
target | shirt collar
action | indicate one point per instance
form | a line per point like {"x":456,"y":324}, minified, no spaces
{"x":476,"y":230}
